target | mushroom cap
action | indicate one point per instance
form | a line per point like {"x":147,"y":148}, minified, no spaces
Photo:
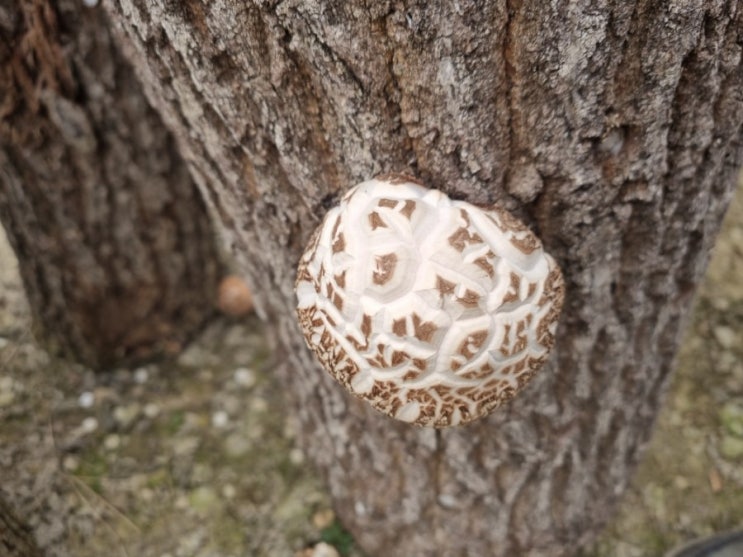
{"x":434,"y":311}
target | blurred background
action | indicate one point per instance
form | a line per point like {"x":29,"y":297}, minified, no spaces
{"x":196,"y":457}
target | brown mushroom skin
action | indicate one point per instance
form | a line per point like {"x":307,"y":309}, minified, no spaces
{"x":434,"y":311}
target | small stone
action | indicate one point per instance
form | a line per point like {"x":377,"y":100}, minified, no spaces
{"x":731,"y":416}
{"x":258,"y":405}
{"x":234,"y":296}
{"x":236,"y":445}
{"x":112,"y":442}
{"x":727,"y":360}
{"x":86,"y":400}
{"x":6,"y":383}
{"x":447,"y":501}
{"x":731,"y":447}
{"x":244,"y":377}
{"x":220,"y":419}
{"x":721,"y":304}
{"x":231,"y":404}
{"x":151,"y":410}
{"x":715,"y":480}
{"x":296,"y":456}
{"x":3,"y":342}
{"x":202,"y":473}
{"x":70,"y":463}
{"x":323,"y":518}
{"x":6,"y":398}
{"x":185,"y":446}
{"x":203,"y":499}
{"x":141,"y":375}
{"x":193,"y":356}
{"x":89,"y":424}
{"x":229,"y":491}
{"x":725,"y":336}
{"x":126,"y":415}
{"x":323,"y":549}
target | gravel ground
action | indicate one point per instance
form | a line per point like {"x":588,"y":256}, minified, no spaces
{"x":192,"y":458}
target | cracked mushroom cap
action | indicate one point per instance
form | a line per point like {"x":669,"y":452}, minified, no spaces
{"x":432,"y":310}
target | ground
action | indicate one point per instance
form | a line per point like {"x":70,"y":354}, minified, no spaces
{"x":196,"y":458}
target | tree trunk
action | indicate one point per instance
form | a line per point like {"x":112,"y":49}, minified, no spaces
{"x":613,"y":129}
{"x":15,"y":539}
{"x":115,"y":245}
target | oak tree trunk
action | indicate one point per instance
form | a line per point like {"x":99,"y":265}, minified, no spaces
{"x":115,"y":246}
{"x":613,"y":129}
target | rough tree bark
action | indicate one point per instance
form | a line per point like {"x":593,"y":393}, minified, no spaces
{"x":115,"y":246}
{"x":614,"y":129}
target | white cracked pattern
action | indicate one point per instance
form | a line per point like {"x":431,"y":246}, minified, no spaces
{"x":432,"y":310}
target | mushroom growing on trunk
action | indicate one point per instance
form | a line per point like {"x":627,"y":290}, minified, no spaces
{"x":434,"y":311}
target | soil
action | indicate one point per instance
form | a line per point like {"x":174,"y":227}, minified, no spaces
{"x":196,"y":457}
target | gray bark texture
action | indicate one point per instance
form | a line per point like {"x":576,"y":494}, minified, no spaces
{"x":612,"y":128}
{"x":115,"y":245}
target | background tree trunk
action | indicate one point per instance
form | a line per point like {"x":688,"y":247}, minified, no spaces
{"x":613,"y":129}
{"x":115,"y":246}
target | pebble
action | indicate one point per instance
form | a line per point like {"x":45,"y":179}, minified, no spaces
{"x":6,"y":398}
{"x":231,"y":404}
{"x":185,"y":446}
{"x":126,"y":415}
{"x":146,"y":494}
{"x":725,"y":336}
{"x":141,"y":375}
{"x":229,"y":491}
{"x":447,"y":501}
{"x":203,"y":498}
{"x":112,"y":442}
{"x":236,"y":445}
{"x":196,"y":356}
{"x":70,"y":463}
{"x":220,"y":419}
{"x":89,"y":424}
{"x":731,"y":416}
{"x":322,"y":549}
{"x":296,"y":456}
{"x":202,"y":473}
{"x":151,"y":410}
{"x":721,"y":304}
{"x":7,"y":388}
{"x":323,"y":518}
{"x":86,"y":400}
{"x":731,"y":447}
{"x":244,"y":377}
